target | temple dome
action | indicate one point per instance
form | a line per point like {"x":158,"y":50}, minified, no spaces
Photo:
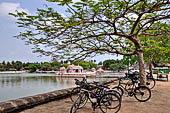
{"x":62,"y":68}
{"x":74,"y":67}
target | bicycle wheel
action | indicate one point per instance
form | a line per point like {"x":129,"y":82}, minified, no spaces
{"x":142,"y":93}
{"x":79,"y":102}
{"x":116,"y":93}
{"x":119,"y":89}
{"x":150,"y":83}
{"x":74,"y":93}
{"x":110,"y":103}
{"x":82,"y":100}
{"x":75,"y":106}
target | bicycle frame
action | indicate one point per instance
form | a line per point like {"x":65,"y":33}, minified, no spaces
{"x":91,"y":94}
{"x":130,"y":92}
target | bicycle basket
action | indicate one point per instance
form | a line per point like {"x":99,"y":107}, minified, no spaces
{"x":78,"y":83}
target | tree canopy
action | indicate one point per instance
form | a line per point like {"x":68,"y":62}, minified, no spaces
{"x":156,"y":49}
{"x":114,"y":65}
{"x":95,"y":27}
{"x":159,"y":50}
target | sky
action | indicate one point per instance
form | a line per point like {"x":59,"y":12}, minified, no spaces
{"x":15,"y":49}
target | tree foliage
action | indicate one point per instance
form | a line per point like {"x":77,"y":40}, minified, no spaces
{"x":86,"y":64}
{"x":114,"y":65}
{"x":93,"y":28}
{"x":33,"y":67}
{"x":107,"y":63}
{"x":158,"y":50}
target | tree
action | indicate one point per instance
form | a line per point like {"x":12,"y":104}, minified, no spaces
{"x":114,"y":65}
{"x":107,"y":63}
{"x":56,"y":65}
{"x":12,"y":64}
{"x":46,"y":66}
{"x":4,"y":64}
{"x":86,"y":64}
{"x":96,"y":27}
{"x":8,"y":66}
{"x":117,"y":67}
{"x":65,"y":65}
{"x":130,"y":60}
{"x":33,"y":67}
{"x":158,"y":50}
{"x":18,"y":65}
{"x":100,"y":63}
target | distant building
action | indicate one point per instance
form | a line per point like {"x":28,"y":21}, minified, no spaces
{"x":73,"y":70}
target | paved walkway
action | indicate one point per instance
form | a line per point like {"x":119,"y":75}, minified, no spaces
{"x":159,"y":103}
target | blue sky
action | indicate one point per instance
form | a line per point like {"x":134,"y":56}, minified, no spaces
{"x":12,"y":48}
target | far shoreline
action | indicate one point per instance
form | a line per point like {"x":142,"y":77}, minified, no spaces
{"x":20,"y":72}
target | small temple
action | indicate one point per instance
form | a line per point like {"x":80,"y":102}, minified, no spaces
{"x":73,"y":70}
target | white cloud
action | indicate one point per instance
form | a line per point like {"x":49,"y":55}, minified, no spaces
{"x":9,"y":7}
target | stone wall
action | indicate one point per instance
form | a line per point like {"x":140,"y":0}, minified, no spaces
{"x":21,"y":103}
{"x":27,"y":102}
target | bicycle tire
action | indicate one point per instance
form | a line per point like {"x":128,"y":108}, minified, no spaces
{"x":107,"y":100}
{"x":74,"y":106}
{"x":83,"y":99}
{"x":116,"y":92}
{"x":119,"y":89}
{"x":74,"y":93}
{"x":79,"y":102}
{"x":151,"y":82}
{"x":140,"y":91}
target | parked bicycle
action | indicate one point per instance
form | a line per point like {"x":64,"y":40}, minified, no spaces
{"x":150,"y":81}
{"x":132,"y":87}
{"x":105,"y":99}
{"x":84,"y":84}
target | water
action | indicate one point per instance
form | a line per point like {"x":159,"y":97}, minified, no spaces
{"x":13,"y":86}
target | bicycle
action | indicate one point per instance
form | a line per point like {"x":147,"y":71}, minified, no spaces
{"x":84,"y":84}
{"x":106,"y":100}
{"x":150,"y":81}
{"x":80,"y":85}
{"x":133,"y":88}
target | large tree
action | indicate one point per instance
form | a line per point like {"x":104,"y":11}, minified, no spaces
{"x":94,"y":27}
{"x":158,"y":50}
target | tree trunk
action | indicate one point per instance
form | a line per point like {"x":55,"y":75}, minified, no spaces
{"x":150,"y":68}
{"x":141,"y":67}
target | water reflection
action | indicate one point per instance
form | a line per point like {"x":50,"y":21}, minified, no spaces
{"x":14,"y":86}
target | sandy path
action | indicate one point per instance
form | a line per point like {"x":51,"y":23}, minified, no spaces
{"x":159,"y":103}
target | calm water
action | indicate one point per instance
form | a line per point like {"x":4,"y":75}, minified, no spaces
{"x":14,"y":86}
